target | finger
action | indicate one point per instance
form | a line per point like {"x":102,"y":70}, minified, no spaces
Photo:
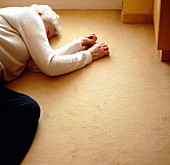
{"x":92,"y":36}
{"x":106,"y":47}
{"x":107,"y":53}
{"x":102,"y":44}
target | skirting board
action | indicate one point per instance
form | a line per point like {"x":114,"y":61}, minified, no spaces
{"x":67,"y":4}
{"x":137,"y":18}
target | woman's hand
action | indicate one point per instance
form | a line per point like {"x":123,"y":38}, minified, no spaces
{"x":99,"y":50}
{"x":88,"y":41}
{"x":96,"y":50}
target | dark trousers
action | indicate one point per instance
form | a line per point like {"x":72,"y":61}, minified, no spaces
{"x":19,"y":115}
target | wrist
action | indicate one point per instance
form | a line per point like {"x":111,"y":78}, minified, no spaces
{"x":82,"y":42}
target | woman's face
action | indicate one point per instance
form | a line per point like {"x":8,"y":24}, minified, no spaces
{"x":50,"y":29}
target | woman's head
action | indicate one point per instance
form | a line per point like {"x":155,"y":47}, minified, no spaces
{"x":50,"y":18}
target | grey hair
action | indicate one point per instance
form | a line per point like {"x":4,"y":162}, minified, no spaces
{"x":49,"y":15}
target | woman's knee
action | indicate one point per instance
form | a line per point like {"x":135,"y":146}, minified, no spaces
{"x":24,"y":109}
{"x":31,"y":108}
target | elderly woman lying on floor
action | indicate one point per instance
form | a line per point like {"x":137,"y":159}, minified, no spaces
{"x":24,"y":43}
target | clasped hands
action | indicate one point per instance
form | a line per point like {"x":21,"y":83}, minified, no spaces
{"x":97,"y":50}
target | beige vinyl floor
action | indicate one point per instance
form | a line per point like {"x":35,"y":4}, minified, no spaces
{"x":115,"y":111}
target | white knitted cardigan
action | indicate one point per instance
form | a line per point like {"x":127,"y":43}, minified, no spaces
{"x":24,"y":44}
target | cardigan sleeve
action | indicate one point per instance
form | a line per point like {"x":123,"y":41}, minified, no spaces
{"x":49,"y":61}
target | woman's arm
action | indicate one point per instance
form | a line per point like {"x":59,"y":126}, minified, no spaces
{"x":49,"y":61}
{"x":71,"y":48}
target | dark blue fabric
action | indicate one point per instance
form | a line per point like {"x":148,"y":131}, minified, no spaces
{"x":19,"y":115}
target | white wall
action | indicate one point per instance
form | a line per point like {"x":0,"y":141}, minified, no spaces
{"x":138,"y":6}
{"x":67,"y":4}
